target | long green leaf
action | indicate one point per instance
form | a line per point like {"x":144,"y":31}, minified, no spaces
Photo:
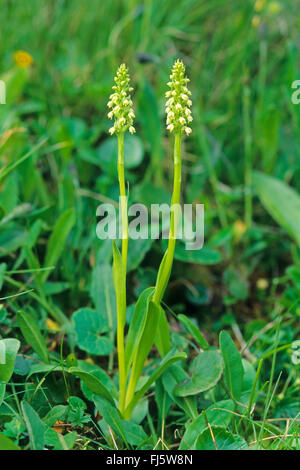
{"x":57,"y":239}
{"x":92,"y":383}
{"x":33,"y":335}
{"x":35,"y":426}
{"x":194,"y":331}
{"x":281,"y":201}
{"x":111,"y":416}
{"x":167,"y":361}
{"x":233,"y":366}
{"x":137,"y":326}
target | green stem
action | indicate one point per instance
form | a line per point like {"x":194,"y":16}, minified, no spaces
{"x":166,"y":265}
{"x":120,"y":323}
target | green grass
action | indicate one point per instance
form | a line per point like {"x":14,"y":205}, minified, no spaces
{"x":58,"y":163}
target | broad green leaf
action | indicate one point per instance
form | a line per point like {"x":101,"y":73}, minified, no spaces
{"x":102,"y":377}
{"x":134,"y":433}
{"x":194,"y":331}
{"x":233,"y":366}
{"x":171,"y":378}
{"x":218,"y":414}
{"x":57,"y":240}
{"x":8,"y":352}
{"x":167,"y":361}
{"x":92,"y":383}
{"x":91,"y":329}
{"x":33,"y":335}
{"x":281,"y":201}
{"x":223,"y":440}
{"x":7,"y":444}
{"x":111,"y":416}
{"x":56,"y":413}
{"x":206,"y":370}
{"x":137,"y":325}
{"x":59,"y":441}
{"x":35,"y":426}
{"x":120,"y":284}
{"x":147,"y":339}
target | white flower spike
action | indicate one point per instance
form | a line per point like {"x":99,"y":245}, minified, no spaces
{"x":120,"y":103}
{"x":178,"y":103}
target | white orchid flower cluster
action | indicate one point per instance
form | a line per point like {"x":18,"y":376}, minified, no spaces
{"x":179,"y":102}
{"x":120,"y":103}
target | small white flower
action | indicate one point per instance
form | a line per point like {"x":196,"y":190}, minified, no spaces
{"x":110,"y":115}
{"x":188,"y":130}
{"x":112,"y":130}
{"x":131,"y":130}
{"x":182,"y":121}
{"x":109,"y":104}
{"x":122,"y":121}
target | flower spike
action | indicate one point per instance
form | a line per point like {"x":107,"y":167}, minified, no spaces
{"x":179,"y":102}
{"x":120,"y":103}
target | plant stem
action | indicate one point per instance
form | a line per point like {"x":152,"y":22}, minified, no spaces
{"x":166,"y":265}
{"x":123,"y":198}
{"x":120,"y":323}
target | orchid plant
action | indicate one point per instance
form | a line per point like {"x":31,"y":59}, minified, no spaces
{"x":148,"y":324}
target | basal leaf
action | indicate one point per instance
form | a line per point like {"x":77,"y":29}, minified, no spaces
{"x":91,"y":330}
{"x":221,"y":440}
{"x":218,"y":414}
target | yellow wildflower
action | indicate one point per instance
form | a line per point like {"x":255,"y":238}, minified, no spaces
{"x":259,"y":5}
{"x":23,"y":59}
{"x":255,"y":21}
{"x":239,"y":228}
{"x":52,"y":325}
{"x":262,"y":284}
